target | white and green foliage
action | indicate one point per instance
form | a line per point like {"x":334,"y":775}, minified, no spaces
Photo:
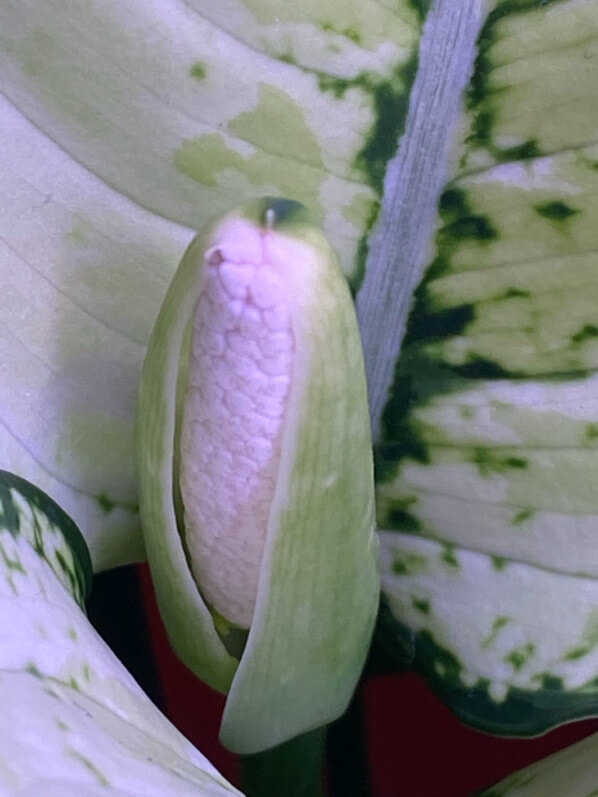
{"x":258,"y":508}
{"x":72,"y":720}
{"x":489,"y":446}
{"x":124,"y":126}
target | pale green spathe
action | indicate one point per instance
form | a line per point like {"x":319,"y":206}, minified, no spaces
{"x":318,"y":588}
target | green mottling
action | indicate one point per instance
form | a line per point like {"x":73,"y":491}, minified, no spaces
{"x":523,"y":515}
{"x":208,"y":158}
{"x":422,"y":606}
{"x":466,"y":412}
{"x":90,"y":766}
{"x":587,"y":332}
{"x":61,"y":725}
{"x":524,"y":151}
{"x":389,"y":97}
{"x":448,"y":556}
{"x":78,"y":234}
{"x":387,"y":457}
{"x":32,"y":669}
{"x":198,"y":71}
{"x":12,"y":565}
{"x":489,"y":462}
{"x":353,"y":34}
{"x":513,"y":293}
{"x":86,"y":671}
{"x":577,"y":653}
{"x":11,"y":520}
{"x":592,"y":431}
{"x":429,"y":323}
{"x":361,"y":210}
{"x":72,"y":633}
{"x":105,"y":503}
{"x":473,"y":227}
{"x":364,"y":247}
{"x":476,"y":367}
{"x":550,"y":682}
{"x":518,"y":657}
{"x":480,"y":95}
{"x":460,"y":220}
{"x":38,"y":534}
{"x":399,"y":517}
{"x":72,"y":682}
{"x":349,"y":33}
{"x":284,"y":125}
{"x":590,"y":629}
{"x":410,"y":564}
{"x":557,"y":210}
{"x":497,"y":624}
{"x":37,"y":47}
{"x":421,"y":8}
{"x":499,"y":562}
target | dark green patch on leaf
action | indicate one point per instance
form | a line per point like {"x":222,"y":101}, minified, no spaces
{"x":476,"y":367}
{"x":421,"y":7}
{"x":390,"y":103}
{"x":473,"y":227}
{"x":32,"y":669}
{"x":556,"y":210}
{"x":198,"y":71}
{"x":499,"y":562}
{"x":513,"y":293}
{"x":409,"y":564}
{"x":12,"y":565}
{"x":577,"y":653}
{"x":585,"y":333}
{"x":363,"y":248}
{"x":497,"y":624}
{"x":518,"y":657}
{"x":489,"y":462}
{"x":105,"y":503}
{"x":425,"y":323}
{"x":524,"y":151}
{"x":448,"y":556}
{"x":552,"y":682}
{"x":399,"y":519}
{"x":523,"y":515}
{"x":422,"y":606}
{"x":10,"y":516}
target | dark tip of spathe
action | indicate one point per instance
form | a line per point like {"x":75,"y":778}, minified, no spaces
{"x":279,"y":211}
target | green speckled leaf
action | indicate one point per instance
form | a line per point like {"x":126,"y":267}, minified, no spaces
{"x":488,"y":444}
{"x":510,"y":647}
{"x":72,"y":720}
{"x":28,"y":514}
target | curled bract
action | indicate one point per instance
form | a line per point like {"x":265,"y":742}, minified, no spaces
{"x":255,"y":467}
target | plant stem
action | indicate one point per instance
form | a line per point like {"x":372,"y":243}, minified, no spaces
{"x":346,"y":753}
{"x":293,"y":769}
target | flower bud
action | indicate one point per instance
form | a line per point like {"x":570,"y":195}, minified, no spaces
{"x":255,"y":466}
